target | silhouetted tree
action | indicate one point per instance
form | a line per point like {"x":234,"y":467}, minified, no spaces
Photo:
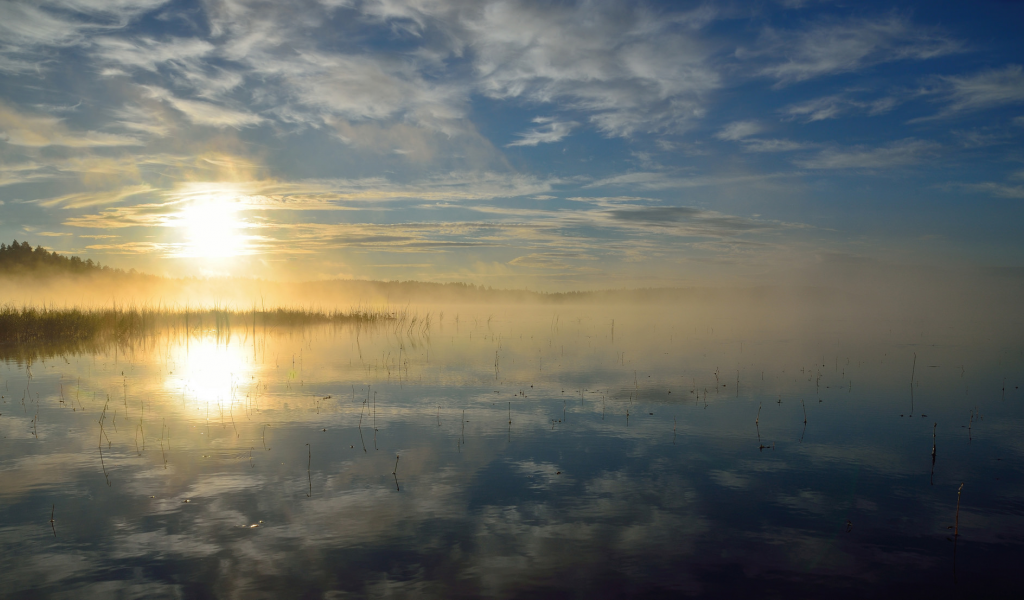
{"x":20,"y":257}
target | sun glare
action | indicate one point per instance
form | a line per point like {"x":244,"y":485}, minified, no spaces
{"x":212,"y":228}
{"x":210,"y":371}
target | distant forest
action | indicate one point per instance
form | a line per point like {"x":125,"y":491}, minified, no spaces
{"x":22,"y":258}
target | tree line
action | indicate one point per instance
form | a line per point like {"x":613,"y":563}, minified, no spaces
{"x":21,"y":257}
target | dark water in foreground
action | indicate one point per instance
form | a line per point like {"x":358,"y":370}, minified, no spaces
{"x":521,"y":456}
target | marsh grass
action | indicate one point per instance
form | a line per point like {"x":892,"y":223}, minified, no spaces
{"x":25,"y":331}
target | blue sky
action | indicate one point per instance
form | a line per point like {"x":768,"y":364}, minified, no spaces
{"x":552,"y":145}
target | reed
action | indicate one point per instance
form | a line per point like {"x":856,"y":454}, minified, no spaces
{"x":956,"y":525}
{"x":49,"y":324}
{"x":309,"y":465}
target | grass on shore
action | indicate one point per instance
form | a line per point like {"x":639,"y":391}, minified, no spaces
{"x":67,"y":325}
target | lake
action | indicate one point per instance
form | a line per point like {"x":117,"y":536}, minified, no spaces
{"x":518,"y":452}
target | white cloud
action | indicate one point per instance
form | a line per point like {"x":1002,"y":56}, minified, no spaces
{"x":148,"y":53}
{"x":549,"y":131}
{"x":628,"y":68}
{"x":26,"y":28}
{"x":763,"y":145}
{"x":738,"y":130}
{"x":831,"y":47}
{"x":688,"y":220}
{"x":1000,"y":190}
{"x":831,"y":107}
{"x":647,"y":180}
{"x":87,"y":199}
{"x":21,"y":129}
{"x":205,"y":113}
{"x":975,"y":138}
{"x":987,"y":89}
{"x":897,"y":154}
{"x":110,"y":8}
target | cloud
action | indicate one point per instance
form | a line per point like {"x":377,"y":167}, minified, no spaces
{"x":19,"y":129}
{"x":897,"y":154}
{"x":312,"y":194}
{"x":696,"y":221}
{"x":28,"y":29}
{"x":1000,"y":190}
{"x":312,"y":76}
{"x":138,"y":248}
{"x":975,"y":138}
{"x":647,"y":180}
{"x":550,"y":131}
{"x":150,"y":120}
{"x":832,"y":107}
{"x":763,"y":145}
{"x":629,"y":68}
{"x":738,"y":130}
{"x":22,"y":172}
{"x":148,"y":53}
{"x":632,"y":220}
{"x":22,"y":24}
{"x":362,"y":88}
{"x":830,"y":47}
{"x":205,"y":113}
{"x":87,"y":199}
{"x":984,"y":90}
{"x":121,"y":9}
{"x":549,"y":260}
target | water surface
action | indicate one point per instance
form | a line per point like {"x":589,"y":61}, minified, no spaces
{"x":516,"y":453}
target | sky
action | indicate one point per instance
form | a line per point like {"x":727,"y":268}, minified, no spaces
{"x":549,"y":145}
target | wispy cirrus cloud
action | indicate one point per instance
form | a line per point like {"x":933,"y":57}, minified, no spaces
{"x":88,"y":199}
{"x":743,"y":132}
{"x":551,"y":260}
{"x":548,"y":131}
{"x":205,"y":113}
{"x":660,"y":180}
{"x":834,"y":46}
{"x":900,"y":153}
{"x":28,"y":31}
{"x":834,"y":106}
{"x":689,"y":220}
{"x":148,"y":53}
{"x":994,"y":188}
{"x":628,"y":68}
{"x":314,"y":194}
{"x":20,"y":129}
{"x":983,"y":90}
{"x":738,"y":130}
{"x":773,"y":145}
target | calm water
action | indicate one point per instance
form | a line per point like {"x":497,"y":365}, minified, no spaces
{"x":517,"y":454}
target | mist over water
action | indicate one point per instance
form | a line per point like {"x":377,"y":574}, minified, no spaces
{"x":516,"y":450}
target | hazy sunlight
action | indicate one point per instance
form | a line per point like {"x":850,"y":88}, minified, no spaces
{"x":212,"y":228}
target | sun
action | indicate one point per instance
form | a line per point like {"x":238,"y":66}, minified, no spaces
{"x":212,"y":228}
